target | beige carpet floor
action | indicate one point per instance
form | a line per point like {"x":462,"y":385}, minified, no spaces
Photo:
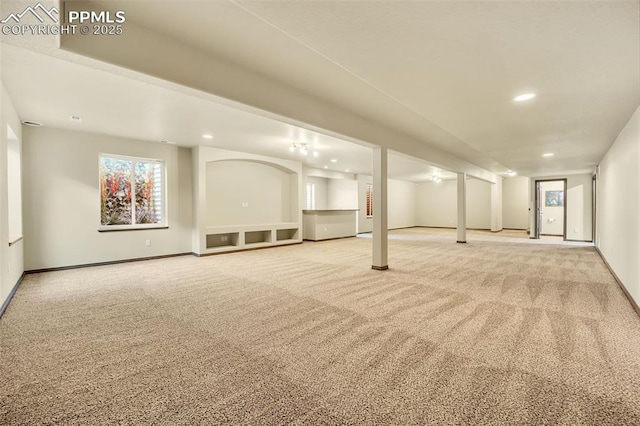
{"x":486,"y":333}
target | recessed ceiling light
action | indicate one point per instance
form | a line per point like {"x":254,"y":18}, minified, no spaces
{"x":75,"y":118}
{"x":326,"y":167}
{"x":315,"y":153}
{"x":31,"y":123}
{"x":524,"y":97}
{"x":511,"y":173}
{"x":548,"y":154}
{"x":207,"y":136}
{"x":347,"y":171}
{"x":333,"y":160}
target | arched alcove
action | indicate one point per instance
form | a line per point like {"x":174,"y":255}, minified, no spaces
{"x":248,"y":192}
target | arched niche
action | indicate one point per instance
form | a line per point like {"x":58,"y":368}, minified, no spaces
{"x":250,"y":192}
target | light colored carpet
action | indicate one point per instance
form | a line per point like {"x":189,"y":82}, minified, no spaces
{"x":485,"y":333}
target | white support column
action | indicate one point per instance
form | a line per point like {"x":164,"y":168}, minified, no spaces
{"x":462,"y":208}
{"x":496,"y":205}
{"x":380,"y":228}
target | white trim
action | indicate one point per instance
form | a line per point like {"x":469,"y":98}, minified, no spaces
{"x":163,"y":184}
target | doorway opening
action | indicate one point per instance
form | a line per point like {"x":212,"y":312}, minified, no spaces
{"x":551,"y":208}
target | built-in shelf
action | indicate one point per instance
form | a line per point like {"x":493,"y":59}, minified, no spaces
{"x":286,"y":234}
{"x":220,"y":239}
{"x":228,"y":239}
{"x":256,"y":237}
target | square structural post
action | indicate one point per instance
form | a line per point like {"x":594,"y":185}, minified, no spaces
{"x":380,"y":221}
{"x":462,"y":208}
{"x":496,"y":205}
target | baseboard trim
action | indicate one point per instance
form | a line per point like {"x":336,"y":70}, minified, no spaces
{"x":380,"y":268}
{"x":112,"y":262}
{"x":5,"y":305}
{"x":326,"y":239}
{"x":249,"y":249}
{"x":453,"y":227}
{"x":619,"y":281}
{"x":403,"y":227}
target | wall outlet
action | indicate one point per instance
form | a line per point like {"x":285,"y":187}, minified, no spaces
{"x":575,"y":230}
{"x":245,"y":204}
{"x":147,"y":242}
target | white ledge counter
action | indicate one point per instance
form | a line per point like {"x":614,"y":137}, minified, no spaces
{"x":327,"y":224}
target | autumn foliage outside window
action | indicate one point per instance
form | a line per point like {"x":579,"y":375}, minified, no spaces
{"x":130,"y":191}
{"x":369,"y":199}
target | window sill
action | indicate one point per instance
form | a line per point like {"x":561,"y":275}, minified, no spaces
{"x":132,"y":228}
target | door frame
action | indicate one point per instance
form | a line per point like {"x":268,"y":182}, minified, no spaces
{"x":538,"y":207}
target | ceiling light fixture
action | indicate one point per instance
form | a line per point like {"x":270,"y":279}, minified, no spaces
{"x":333,"y":160}
{"x":292,"y":148}
{"x":524,"y":97}
{"x":347,"y":171}
{"x":511,"y":173}
{"x":548,"y":154}
{"x":207,"y":136}
{"x":326,"y":167}
{"x":435,"y":178}
{"x":315,"y":153}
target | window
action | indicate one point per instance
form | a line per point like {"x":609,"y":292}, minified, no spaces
{"x":311,"y":196}
{"x":131,"y":192}
{"x":369,"y":202}
{"x":14,"y":186}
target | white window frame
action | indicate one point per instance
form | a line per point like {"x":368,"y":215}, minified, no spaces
{"x":136,"y":226}
{"x":311,"y":196}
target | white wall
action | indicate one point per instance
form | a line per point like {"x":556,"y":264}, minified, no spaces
{"x":437,"y":204}
{"x":342,"y":194}
{"x":61,"y":190}
{"x":618,"y":206}
{"x":553,"y":216}
{"x":478,"y":204}
{"x":515,"y":202}
{"x":401,"y":204}
{"x":11,"y":257}
{"x":320,"y":191}
{"x":578,"y":201}
{"x":245,"y":193}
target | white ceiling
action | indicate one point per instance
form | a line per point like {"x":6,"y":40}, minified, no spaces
{"x":433,"y":69}
{"x":453,"y":65}
{"x":50,"y":90}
